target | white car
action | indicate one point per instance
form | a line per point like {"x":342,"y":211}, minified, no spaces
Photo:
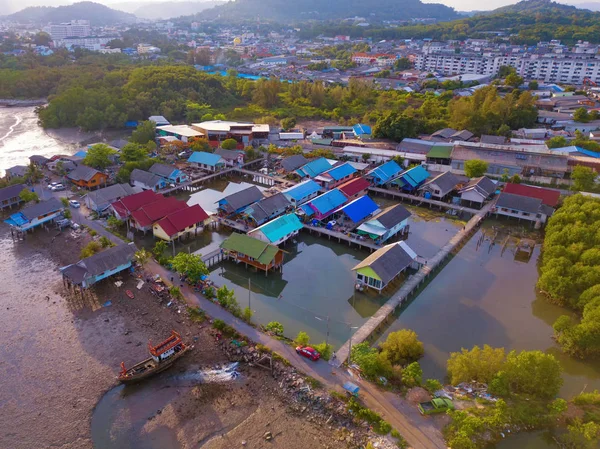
{"x":52,"y":185}
{"x":58,"y":188}
{"x":75,"y":204}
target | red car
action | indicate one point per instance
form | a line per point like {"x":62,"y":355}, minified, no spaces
{"x":308,"y":352}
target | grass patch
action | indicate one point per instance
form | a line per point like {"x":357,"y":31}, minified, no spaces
{"x":281,"y":359}
{"x":340,"y":396}
{"x":196,"y":314}
{"x":314,"y":383}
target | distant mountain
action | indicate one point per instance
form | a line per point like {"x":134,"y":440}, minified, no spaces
{"x":96,"y":13}
{"x":592,"y":6}
{"x":299,"y":10}
{"x":534,"y":6}
{"x":166,"y":10}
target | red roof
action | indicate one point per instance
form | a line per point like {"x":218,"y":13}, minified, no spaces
{"x":178,"y":221}
{"x":548,"y":197}
{"x":133,"y":202}
{"x":151,"y":213}
{"x":354,"y":186}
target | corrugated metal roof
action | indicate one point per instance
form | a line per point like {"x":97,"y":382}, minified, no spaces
{"x":201,"y":157}
{"x":302,"y":190}
{"x":415,"y":175}
{"x":386,"y":171}
{"x":180,"y":220}
{"x":243,"y":198}
{"x":262,"y":252}
{"x":440,"y":152}
{"x":328,"y":201}
{"x":388,"y":262}
{"x":341,"y":171}
{"x":354,"y":186}
{"x":314,"y":167}
{"x":280,"y":227}
{"x":360,"y":208}
{"x":548,"y":197}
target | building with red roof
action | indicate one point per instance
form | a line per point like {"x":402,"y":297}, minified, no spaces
{"x":549,"y":197}
{"x":143,"y":218}
{"x":354,"y":188}
{"x":125,"y":206}
{"x":184,"y":221}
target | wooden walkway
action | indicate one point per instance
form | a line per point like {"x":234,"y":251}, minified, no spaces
{"x":420,"y":199}
{"x":411,"y":284}
{"x":340,"y":236}
{"x":213,"y":257}
{"x":234,"y":225}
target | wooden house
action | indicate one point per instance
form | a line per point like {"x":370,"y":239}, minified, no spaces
{"x":180,"y":223}
{"x":254,"y":252}
{"x":87,"y":177}
{"x":9,"y":196}
{"x":385,"y":225}
{"x":36,"y":215}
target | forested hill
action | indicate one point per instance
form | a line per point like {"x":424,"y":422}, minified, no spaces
{"x":300,"y":10}
{"x":535,"y":6}
{"x":96,"y":13}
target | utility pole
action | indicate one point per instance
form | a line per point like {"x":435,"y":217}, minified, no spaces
{"x":327,"y":336}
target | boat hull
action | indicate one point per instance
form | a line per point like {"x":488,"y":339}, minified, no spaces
{"x":149,"y":368}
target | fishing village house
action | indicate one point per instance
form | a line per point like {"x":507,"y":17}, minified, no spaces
{"x":159,"y":120}
{"x":100,"y":200}
{"x":314,"y":168}
{"x":385,"y":225}
{"x":9,"y":196}
{"x":478,"y":191}
{"x":411,"y":179}
{"x":146,"y":180}
{"x":244,"y":133}
{"x":549,"y":197}
{"x":235,"y":203}
{"x":32,"y":216}
{"x":181,"y":223}
{"x":38,"y":161}
{"x":324,"y":205}
{"x":93,"y":269}
{"x":279,"y":230}
{"x":439,"y":154}
{"x":18,"y":171}
{"x":440,"y":186}
{"x":123,"y":208}
{"x":292,"y":163}
{"x":376,"y":155}
{"x":266,"y":209}
{"x":259,"y":254}
{"x":356,"y":211}
{"x":384,"y":173}
{"x":169,"y":173}
{"x":522,"y":208}
{"x":385,"y":265}
{"x":87,"y":177}
{"x":183,"y":133}
{"x":232,"y":158}
{"x":335,"y":176}
{"x":144,"y":218}
{"x":354,"y":188}
{"x":210,"y":162}
{"x":302,"y":192}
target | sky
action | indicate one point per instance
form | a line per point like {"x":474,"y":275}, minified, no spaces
{"x":9,"y":6}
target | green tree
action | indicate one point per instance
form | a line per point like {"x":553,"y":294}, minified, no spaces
{"x":190,"y":265}
{"x":477,"y":364}
{"x":275,"y":327}
{"x":324,"y":349}
{"x":225,"y":296}
{"x":105,"y":242}
{"x":64,"y":201}
{"x":33,"y":173}
{"x":556,"y":142}
{"x":27,"y":195}
{"x":288,"y":123}
{"x":433,"y":385}
{"x":302,"y":339}
{"x":581,"y":115}
{"x":247,"y":314}
{"x":159,"y":249}
{"x":370,"y":361}
{"x":99,"y":156}
{"x":412,"y":375}
{"x":145,"y":132}
{"x":584,"y":178}
{"x":133,"y":152}
{"x":475,"y":168}
{"x":90,"y":249}
{"x":533,"y":85}
{"x":402,"y":64}
{"x":513,"y":80}
{"x":114,"y":223}
{"x":581,"y":435}
{"x":142,"y":256}
{"x":229,"y":144}
{"x":200,"y":144}
{"x":534,"y":373}
{"x":402,"y":347}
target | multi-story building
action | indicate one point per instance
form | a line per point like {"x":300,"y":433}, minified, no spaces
{"x":74,"y":28}
{"x":92,"y":43}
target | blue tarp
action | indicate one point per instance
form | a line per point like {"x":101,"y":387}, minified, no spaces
{"x":360,"y":208}
{"x":328,"y":201}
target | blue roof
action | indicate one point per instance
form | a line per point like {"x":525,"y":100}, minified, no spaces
{"x":386,"y":171}
{"x":17,"y":219}
{"x":341,"y":171}
{"x":81,"y":153}
{"x":201,"y":157}
{"x":361,"y":129}
{"x":415,"y":175}
{"x":307,"y":210}
{"x":314,"y":168}
{"x":328,"y":201}
{"x":302,"y":190}
{"x":575,"y":149}
{"x":281,"y":226}
{"x":360,"y":208}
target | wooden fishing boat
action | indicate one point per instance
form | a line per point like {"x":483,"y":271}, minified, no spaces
{"x":162,"y":357}
{"x":129,"y":293}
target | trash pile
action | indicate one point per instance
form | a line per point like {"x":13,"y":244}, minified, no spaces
{"x":225,"y":373}
{"x":466,"y":390}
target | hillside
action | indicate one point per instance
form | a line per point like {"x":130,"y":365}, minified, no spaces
{"x":166,"y":10}
{"x":96,"y":13}
{"x":299,"y":10}
{"x":535,"y":6}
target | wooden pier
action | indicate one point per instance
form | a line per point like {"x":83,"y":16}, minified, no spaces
{"x":412,"y":284}
{"x":341,"y":237}
{"x":419,"y":200}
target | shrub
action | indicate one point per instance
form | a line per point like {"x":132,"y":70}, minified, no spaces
{"x":67,"y":214}
{"x":64,"y":201}
{"x":433,"y":385}
{"x":382,"y":427}
{"x":90,"y":249}
{"x":402,"y":347}
{"x":197,"y":314}
{"x":247,"y":314}
{"x":93,"y":233}
{"x":324,"y":349}
{"x":302,"y":339}
{"x":275,"y":327}
{"x":219,"y":324}
{"x":105,"y":242}
{"x":176,"y":292}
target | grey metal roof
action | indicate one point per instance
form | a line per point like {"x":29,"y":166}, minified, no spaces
{"x":11,"y":191}
{"x":484,"y":185}
{"x":42,"y":208}
{"x":163,"y":170}
{"x":111,"y":193}
{"x":393,"y":215}
{"x":494,"y":140}
{"x":462,"y":135}
{"x":17,"y":170}
{"x":446,"y":181}
{"x":387,"y":262}
{"x":145,"y":177}
{"x":242,"y":198}
{"x":520,"y":203}
{"x":293,"y":162}
{"x":82,"y":173}
{"x":38,"y":159}
{"x":106,"y":260}
{"x":266,"y":207}
{"x":230,"y":155}
{"x":444,"y":133}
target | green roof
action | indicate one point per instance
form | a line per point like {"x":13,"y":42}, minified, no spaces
{"x":440,"y":152}
{"x":260,"y":251}
{"x":326,"y":142}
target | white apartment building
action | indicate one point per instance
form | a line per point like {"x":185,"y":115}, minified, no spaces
{"x":92,"y":43}
{"x":74,"y":28}
{"x":570,"y":68}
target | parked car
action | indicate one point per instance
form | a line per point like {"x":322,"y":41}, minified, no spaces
{"x":308,"y":352}
{"x":74,"y":203}
{"x":52,"y":185}
{"x":58,"y":188}
{"x":436,"y":405}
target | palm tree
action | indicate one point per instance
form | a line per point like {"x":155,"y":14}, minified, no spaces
{"x":33,"y":173}
{"x":142,"y":256}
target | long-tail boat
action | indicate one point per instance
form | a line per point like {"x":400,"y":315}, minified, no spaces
{"x":162,"y":357}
